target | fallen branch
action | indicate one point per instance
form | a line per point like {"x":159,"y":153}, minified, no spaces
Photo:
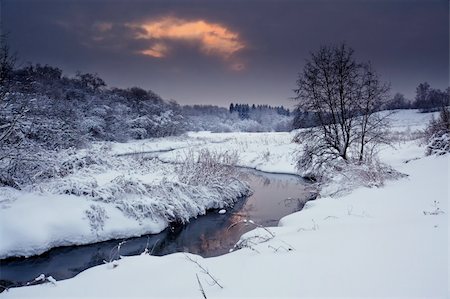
{"x":201,"y":287}
{"x":204,"y":270}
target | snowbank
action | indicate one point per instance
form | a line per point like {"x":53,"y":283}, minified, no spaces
{"x":32,"y":223}
{"x":99,"y":196}
{"x":377,"y":242}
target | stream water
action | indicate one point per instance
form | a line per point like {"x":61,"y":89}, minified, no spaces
{"x":275,"y":196}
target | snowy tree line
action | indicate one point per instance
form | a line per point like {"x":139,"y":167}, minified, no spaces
{"x":245,"y":110}
{"x":427,"y":99}
{"x":261,"y":118}
{"x":59,"y":111}
{"x":43,"y":112}
{"x":430,"y":99}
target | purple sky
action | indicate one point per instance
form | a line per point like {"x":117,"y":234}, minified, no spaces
{"x":222,"y":51}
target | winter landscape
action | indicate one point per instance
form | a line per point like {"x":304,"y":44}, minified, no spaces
{"x":236,"y":176}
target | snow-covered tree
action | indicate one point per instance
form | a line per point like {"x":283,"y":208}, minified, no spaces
{"x":43,"y":112}
{"x":437,"y":134}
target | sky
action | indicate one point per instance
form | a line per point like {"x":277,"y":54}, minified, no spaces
{"x":223,"y":51}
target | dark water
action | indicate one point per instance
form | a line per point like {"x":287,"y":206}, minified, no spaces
{"x":275,"y":196}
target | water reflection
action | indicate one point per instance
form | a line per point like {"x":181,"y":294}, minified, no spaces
{"x":274,"y":196}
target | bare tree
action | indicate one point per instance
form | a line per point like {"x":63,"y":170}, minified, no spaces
{"x":7,"y":63}
{"x":372,"y":126}
{"x":398,"y":102}
{"x":342,"y":95}
{"x":10,"y":114}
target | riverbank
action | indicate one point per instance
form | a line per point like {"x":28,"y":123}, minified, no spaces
{"x":375,"y":242}
{"x":274,"y":196}
{"x":101,"y":196}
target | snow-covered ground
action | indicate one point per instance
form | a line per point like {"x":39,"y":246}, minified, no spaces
{"x":390,"y":241}
{"x":107,"y":197}
{"x":269,"y":152}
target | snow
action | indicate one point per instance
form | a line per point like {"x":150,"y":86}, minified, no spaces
{"x":40,"y":277}
{"x":372,"y":242}
{"x":270,"y":152}
{"x":409,"y":120}
{"x":112,"y":198}
{"x":51,"y":280}
{"x":34,"y":223}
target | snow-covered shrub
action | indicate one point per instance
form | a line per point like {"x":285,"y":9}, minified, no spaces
{"x":344,"y":177}
{"x":24,"y":163}
{"x":93,"y":126}
{"x":437,"y":134}
{"x":205,"y":167}
{"x":438,"y":145}
{"x":338,"y":177}
{"x":97,"y":216}
{"x":67,"y":162}
{"x":168,"y":199}
{"x":74,"y":185}
{"x":73,"y":161}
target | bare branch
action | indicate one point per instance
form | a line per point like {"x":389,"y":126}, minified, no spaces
{"x":204,"y":270}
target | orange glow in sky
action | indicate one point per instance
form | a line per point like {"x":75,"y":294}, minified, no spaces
{"x":213,"y":39}
{"x":157,"y":50}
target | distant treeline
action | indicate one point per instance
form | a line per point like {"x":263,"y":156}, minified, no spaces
{"x":243,"y":119}
{"x":244,"y":110}
{"x":42,"y":106}
{"x":427,"y":99}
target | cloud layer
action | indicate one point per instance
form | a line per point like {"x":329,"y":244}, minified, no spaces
{"x":210,"y":38}
{"x":208,"y":51}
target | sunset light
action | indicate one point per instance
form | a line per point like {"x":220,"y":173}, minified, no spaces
{"x":212,"y":39}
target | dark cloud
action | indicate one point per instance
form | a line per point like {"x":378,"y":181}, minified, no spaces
{"x":407,"y":41}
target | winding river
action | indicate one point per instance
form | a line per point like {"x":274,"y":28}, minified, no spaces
{"x":275,"y":196}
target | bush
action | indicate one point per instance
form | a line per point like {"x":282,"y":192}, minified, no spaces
{"x":97,"y":216}
{"x":204,"y":183}
{"x":207,"y":167}
{"x":342,"y":177}
{"x":437,"y":134}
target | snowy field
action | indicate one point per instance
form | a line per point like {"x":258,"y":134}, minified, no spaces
{"x":270,"y":152}
{"x":390,"y":241}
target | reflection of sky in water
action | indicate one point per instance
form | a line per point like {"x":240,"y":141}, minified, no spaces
{"x":275,"y":196}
